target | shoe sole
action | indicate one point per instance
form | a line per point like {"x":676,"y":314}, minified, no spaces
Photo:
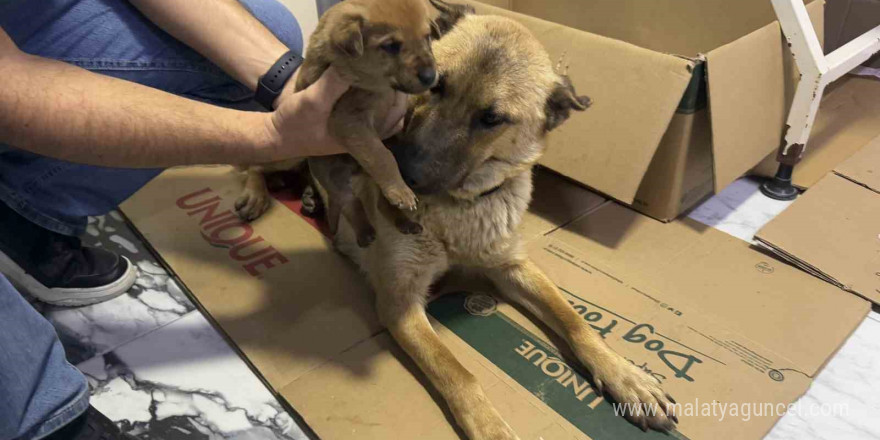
{"x":67,"y":297}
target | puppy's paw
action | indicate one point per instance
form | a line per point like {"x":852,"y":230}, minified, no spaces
{"x":644,"y":402}
{"x":401,"y":196}
{"x":311,"y":203}
{"x":408,"y":227}
{"x":366,"y":237}
{"x":251,"y":204}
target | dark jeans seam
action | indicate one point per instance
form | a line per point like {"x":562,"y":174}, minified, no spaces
{"x":127,"y":65}
{"x":10,"y":198}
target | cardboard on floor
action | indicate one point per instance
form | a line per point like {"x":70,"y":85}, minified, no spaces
{"x":832,"y":231}
{"x":715,"y":321}
{"x":688,"y":94}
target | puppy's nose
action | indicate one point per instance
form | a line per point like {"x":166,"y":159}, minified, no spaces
{"x":427,"y":75}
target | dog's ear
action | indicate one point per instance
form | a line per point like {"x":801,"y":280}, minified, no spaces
{"x":449,"y":15}
{"x":562,"y":101}
{"x":347,"y":35}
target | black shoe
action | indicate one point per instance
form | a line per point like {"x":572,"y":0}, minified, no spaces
{"x":92,"y":425}
{"x":57,"y":269}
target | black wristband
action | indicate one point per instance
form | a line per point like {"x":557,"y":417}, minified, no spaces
{"x":270,"y":85}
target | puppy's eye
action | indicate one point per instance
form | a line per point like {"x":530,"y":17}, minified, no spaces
{"x":491,"y":119}
{"x":392,"y":47}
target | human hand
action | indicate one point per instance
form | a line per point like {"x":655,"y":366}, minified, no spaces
{"x":299,"y":122}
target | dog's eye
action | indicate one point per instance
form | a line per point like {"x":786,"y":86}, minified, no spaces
{"x":392,"y":47}
{"x":491,"y":119}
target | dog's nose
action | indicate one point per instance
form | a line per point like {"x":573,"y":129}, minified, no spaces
{"x":427,"y":75}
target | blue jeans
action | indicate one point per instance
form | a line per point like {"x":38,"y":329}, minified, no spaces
{"x":112,"y":38}
{"x":39,"y":390}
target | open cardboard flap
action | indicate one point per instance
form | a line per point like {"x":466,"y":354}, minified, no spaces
{"x":848,"y":118}
{"x":832,"y":231}
{"x":635,"y":92}
{"x":742,"y":330}
{"x":751,"y":85}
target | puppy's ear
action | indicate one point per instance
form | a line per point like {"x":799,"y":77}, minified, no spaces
{"x":449,"y":15}
{"x":347,"y":35}
{"x":562,"y":101}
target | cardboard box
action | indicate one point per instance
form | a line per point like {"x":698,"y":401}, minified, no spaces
{"x":847,"y":19}
{"x":741,"y":329}
{"x":688,"y":94}
{"x":848,"y":118}
{"x":832,"y":231}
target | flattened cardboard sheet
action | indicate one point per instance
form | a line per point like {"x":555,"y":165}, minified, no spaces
{"x":686,"y":264}
{"x":833,"y":232}
{"x":863,"y":167}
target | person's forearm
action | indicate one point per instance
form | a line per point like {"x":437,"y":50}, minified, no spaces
{"x":58,"y":110}
{"x":222,"y":31}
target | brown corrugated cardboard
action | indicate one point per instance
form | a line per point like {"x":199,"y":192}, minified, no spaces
{"x":864,"y":166}
{"x":848,"y":118}
{"x":740,"y":330}
{"x":847,"y":19}
{"x":649,"y":140}
{"x":686,"y":264}
{"x":555,"y":202}
{"x":832,"y":231}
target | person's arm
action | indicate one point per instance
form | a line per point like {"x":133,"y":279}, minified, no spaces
{"x":223,"y":31}
{"x":58,"y":110}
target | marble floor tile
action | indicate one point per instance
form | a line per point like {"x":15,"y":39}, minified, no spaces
{"x":844,"y":400}
{"x":184,"y":382}
{"x":739,"y":210}
{"x":155,"y":299}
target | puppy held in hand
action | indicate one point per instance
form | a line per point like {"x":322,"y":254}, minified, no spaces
{"x":383,"y":47}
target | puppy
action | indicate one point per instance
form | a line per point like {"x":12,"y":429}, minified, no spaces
{"x":467,"y":150}
{"x":382,"y":46}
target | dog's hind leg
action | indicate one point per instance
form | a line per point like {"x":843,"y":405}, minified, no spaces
{"x":400,"y":303}
{"x":353,"y":211}
{"x":524,"y":283}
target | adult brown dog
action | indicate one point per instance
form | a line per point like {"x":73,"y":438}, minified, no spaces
{"x":382,"y":46}
{"x":468,"y":148}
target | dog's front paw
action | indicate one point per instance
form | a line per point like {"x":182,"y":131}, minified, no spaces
{"x":487,"y":426}
{"x":401,"y":196}
{"x":643,"y":401}
{"x":251,"y":204}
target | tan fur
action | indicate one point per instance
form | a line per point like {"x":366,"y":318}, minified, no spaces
{"x":491,"y":65}
{"x":350,"y":36}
